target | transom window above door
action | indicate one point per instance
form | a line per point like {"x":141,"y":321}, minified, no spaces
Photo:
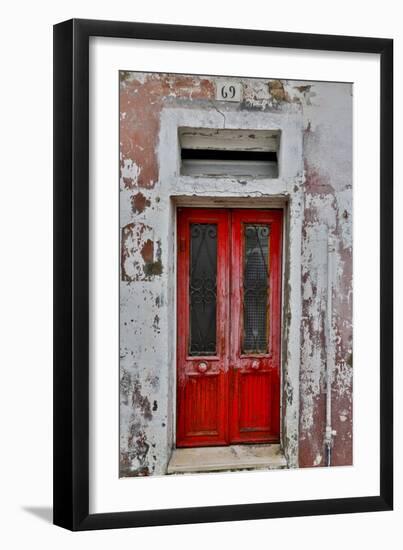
{"x":229,"y":152}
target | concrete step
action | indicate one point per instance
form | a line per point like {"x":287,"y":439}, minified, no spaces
{"x":233,"y":457}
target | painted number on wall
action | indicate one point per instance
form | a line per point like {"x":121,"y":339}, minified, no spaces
{"x":228,"y":91}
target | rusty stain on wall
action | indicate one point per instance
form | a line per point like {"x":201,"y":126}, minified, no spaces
{"x":277,"y":91}
{"x":140,"y":202}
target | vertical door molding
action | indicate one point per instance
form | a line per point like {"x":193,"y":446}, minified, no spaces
{"x":291,"y":328}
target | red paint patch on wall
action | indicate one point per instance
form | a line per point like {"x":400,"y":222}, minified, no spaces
{"x":141,"y":102}
{"x":139,"y":202}
{"x":342,"y":452}
{"x":315,"y":182}
{"x":311,"y":445}
{"x":147,"y":251}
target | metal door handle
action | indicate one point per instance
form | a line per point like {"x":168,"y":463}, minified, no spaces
{"x":202,"y":367}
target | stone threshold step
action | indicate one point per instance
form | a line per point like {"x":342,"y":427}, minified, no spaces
{"x":233,"y":457}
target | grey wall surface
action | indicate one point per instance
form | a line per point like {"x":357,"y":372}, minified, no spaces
{"x":314,"y":186}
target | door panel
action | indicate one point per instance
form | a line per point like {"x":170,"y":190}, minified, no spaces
{"x":255,"y":326}
{"x":203,"y":331}
{"x":202,"y":398}
{"x":229,"y":267}
{"x":254,"y":388}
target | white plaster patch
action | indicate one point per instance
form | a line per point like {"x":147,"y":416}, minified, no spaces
{"x":318,"y":460}
{"x":130,"y":171}
{"x":134,"y":237}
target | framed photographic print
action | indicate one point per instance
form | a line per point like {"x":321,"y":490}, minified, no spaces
{"x":223,"y":215}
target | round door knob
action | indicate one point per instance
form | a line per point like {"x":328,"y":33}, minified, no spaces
{"x":255,"y":364}
{"x":202,"y":367}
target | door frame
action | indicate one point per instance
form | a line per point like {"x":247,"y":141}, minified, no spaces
{"x":286,"y":191}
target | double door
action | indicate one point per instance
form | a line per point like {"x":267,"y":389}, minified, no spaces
{"x":228,"y":326}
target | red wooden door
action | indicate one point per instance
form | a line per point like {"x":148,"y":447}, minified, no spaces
{"x":228,"y":354}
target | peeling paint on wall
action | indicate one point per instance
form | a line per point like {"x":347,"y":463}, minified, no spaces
{"x":141,"y":101}
{"x":140,"y":203}
{"x":140,"y":257}
{"x":315,"y":185}
{"x":277,"y":91}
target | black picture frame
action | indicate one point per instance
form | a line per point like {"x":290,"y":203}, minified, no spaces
{"x":71,"y":274}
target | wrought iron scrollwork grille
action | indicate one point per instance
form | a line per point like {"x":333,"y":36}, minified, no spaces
{"x":203,"y":288}
{"x":256,"y":288}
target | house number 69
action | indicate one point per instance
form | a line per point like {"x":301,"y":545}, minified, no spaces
{"x":230,"y":94}
{"x":228,"y":91}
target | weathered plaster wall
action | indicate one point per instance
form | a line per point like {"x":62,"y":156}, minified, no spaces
{"x":146,"y":357}
{"x":328,"y":208}
{"x":314,"y":184}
